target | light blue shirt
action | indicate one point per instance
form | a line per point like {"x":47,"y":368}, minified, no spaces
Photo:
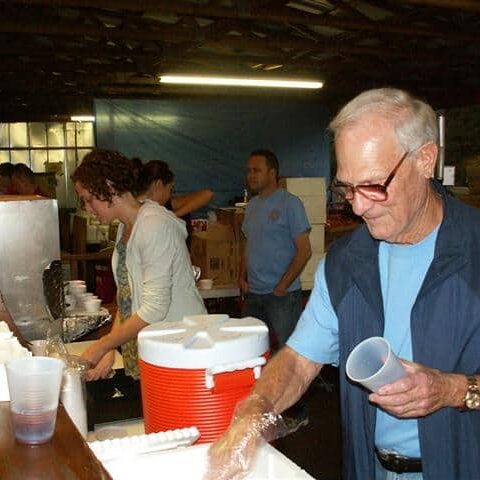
{"x":271,"y":225}
{"x":402,"y":271}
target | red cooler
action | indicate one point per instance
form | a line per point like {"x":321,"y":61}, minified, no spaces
{"x":193,"y":372}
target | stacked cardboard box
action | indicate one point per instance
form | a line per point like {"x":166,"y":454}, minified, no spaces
{"x":233,"y":217}
{"x":312,"y":191}
{"x":214,"y":252}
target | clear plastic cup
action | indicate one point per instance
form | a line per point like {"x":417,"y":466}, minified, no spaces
{"x":38,"y":348}
{"x":373,"y":364}
{"x":34,"y":384}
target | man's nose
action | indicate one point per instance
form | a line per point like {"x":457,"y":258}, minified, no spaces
{"x":360,"y":204}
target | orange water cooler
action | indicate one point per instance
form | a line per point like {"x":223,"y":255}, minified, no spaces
{"x":193,"y":372}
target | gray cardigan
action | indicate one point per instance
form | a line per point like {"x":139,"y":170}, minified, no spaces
{"x":159,"y":267}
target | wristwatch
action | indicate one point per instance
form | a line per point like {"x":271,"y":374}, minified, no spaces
{"x":471,"y":401}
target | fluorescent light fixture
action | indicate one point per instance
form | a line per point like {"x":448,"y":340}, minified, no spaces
{"x":239,"y":82}
{"x":82,"y":118}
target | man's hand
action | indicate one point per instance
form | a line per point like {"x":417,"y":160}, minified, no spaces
{"x":243,"y":284}
{"x":423,"y":391}
{"x":279,"y":291}
{"x":231,"y":456}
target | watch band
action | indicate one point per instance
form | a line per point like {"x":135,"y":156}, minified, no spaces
{"x":471,"y":400}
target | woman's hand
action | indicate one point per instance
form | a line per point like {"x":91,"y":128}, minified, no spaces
{"x":103,"y":368}
{"x":100,"y":359}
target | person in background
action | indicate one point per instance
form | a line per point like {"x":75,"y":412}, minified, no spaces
{"x":151,"y":264}
{"x":155,"y":182}
{"x":6,"y":170}
{"x":278,"y":247}
{"x":409,"y":274}
{"x":23,"y":181}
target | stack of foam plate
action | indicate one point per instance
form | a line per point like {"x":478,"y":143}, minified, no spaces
{"x":10,"y":348}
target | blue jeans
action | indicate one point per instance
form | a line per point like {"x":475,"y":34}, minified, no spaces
{"x":281,"y":314}
{"x":382,"y":474}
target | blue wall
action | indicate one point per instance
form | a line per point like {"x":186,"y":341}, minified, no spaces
{"x":207,"y":141}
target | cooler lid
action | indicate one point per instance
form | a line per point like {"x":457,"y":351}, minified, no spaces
{"x":203,"y":341}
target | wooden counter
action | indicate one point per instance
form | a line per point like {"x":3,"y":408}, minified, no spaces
{"x":65,"y":457}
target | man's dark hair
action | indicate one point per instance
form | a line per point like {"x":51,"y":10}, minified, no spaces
{"x":20,"y":170}
{"x":6,"y":169}
{"x":270,"y":159}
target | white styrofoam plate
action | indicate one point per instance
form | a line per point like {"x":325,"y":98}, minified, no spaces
{"x":5,"y":332}
{"x":116,"y":449}
{"x":190,"y":463}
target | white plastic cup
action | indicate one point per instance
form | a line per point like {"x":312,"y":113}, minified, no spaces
{"x":74,"y":283}
{"x":205,"y":284}
{"x":39,"y":348}
{"x":92,"y":305}
{"x":34,"y":385}
{"x":373,"y":364}
{"x":78,"y":290}
{"x":74,"y":399}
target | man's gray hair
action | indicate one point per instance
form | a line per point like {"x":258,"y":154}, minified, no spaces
{"x":414,"y":121}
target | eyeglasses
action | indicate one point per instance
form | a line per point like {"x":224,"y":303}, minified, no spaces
{"x":375,"y":192}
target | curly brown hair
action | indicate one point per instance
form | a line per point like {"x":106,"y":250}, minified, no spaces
{"x":105,"y":173}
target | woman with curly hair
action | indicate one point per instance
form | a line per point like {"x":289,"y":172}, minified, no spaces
{"x":151,"y":264}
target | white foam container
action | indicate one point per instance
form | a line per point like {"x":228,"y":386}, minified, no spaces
{"x":190,"y":463}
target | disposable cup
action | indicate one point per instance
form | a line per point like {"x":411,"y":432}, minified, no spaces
{"x":39,"y":348}
{"x":78,"y":290}
{"x":34,"y":385}
{"x":373,"y":364}
{"x":92,"y":305}
{"x":205,"y":284}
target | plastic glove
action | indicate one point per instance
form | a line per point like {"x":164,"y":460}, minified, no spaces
{"x":232,"y":456}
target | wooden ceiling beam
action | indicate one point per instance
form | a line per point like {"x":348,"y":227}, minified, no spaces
{"x":282,"y":15}
{"x":249,"y":46}
{"x":470,"y":5}
{"x":45,"y":27}
{"x":240,"y":43}
{"x":348,"y":9}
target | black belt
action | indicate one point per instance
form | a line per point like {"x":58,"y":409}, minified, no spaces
{"x":398,"y":463}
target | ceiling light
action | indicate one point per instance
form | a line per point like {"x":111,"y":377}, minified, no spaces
{"x":239,"y":82}
{"x":272,"y":67}
{"x":82,"y":118}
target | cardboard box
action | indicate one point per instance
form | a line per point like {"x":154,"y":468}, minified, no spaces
{"x":214,"y":251}
{"x":312,"y":191}
{"x":317,"y":238}
{"x":308,"y":186}
{"x":316,"y":208}
{"x":308,"y":275}
{"x":182,"y":462}
{"x":234,"y":218}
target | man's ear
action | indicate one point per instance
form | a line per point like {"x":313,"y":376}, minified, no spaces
{"x":427,"y":158}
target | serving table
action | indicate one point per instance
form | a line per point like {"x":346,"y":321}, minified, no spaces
{"x":65,"y":457}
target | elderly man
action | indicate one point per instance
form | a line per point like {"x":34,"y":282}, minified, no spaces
{"x":409,"y":274}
